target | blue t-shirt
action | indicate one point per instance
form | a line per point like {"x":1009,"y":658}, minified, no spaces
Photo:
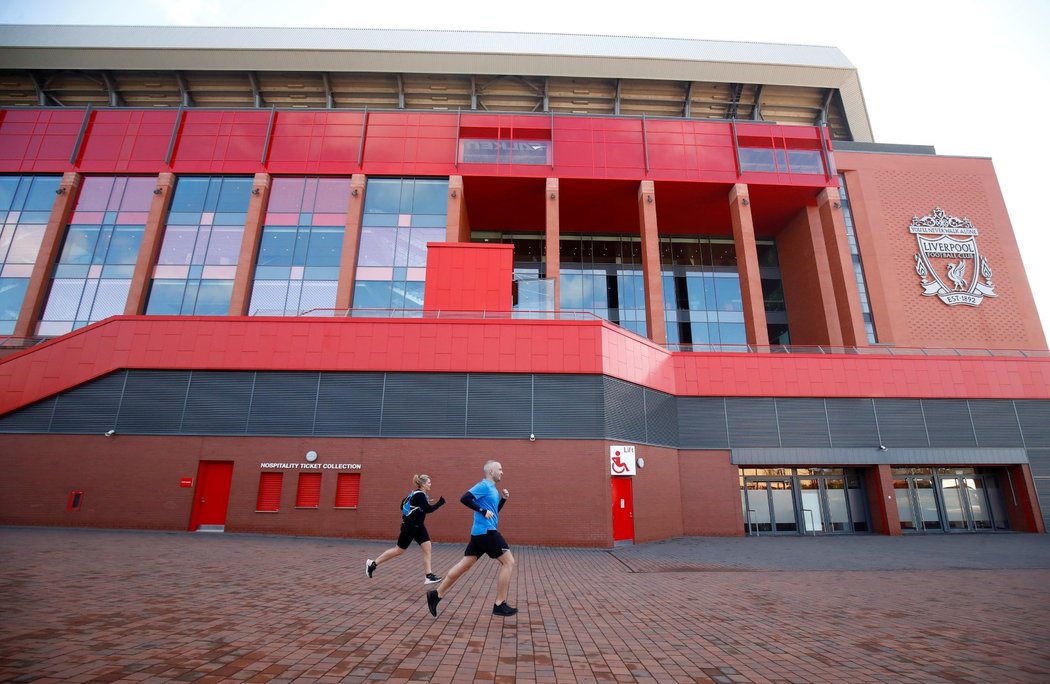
{"x":487,"y":497}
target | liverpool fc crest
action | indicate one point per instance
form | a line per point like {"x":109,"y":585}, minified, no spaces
{"x":950,"y":267}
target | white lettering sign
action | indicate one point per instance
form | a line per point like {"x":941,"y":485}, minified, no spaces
{"x":310,"y":466}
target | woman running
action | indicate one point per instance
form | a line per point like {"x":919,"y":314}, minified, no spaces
{"x":414,"y":511}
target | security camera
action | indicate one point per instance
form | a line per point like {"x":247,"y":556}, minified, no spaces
{"x":882,"y":447}
{"x":532,"y":438}
{"x":110,"y":433}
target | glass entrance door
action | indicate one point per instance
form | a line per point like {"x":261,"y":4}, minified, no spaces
{"x":917,"y":503}
{"x":825,"y":509}
{"x":769,"y":506}
{"x":966,"y":504}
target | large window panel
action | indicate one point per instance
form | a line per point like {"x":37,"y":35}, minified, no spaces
{"x":25,"y":206}
{"x":201,"y":247}
{"x":401,"y":216}
{"x":92,"y":276}
{"x":297,"y":269}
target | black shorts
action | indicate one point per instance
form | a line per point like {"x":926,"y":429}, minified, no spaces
{"x":412,"y":533}
{"x":491,"y":543}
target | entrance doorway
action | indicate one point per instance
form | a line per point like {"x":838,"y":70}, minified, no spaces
{"x":622,"y":510}
{"x":948,"y":500}
{"x":802,"y":501}
{"x":211,"y":496}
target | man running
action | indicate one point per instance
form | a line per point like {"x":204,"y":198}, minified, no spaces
{"x":486,"y":501}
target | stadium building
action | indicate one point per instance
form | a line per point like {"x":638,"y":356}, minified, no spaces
{"x":253,"y":280}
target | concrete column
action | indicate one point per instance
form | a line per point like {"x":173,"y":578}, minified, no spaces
{"x":152,"y":237}
{"x":457,"y":223}
{"x":747,"y":267}
{"x":242,"y":280}
{"x":651,"y":277}
{"x":552,"y":198}
{"x":840,"y":266}
{"x":344,"y":296}
{"x":36,"y":291}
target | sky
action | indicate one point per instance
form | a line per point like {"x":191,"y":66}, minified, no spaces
{"x":970,"y":77}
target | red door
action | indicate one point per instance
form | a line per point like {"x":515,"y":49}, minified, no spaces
{"x":212,"y":494}
{"x":623,"y":510}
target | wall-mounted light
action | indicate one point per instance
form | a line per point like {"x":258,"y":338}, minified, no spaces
{"x":649,"y":199}
{"x":60,"y":191}
{"x":157,"y":191}
{"x":256,"y":191}
{"x":311,"y":456}
{"x":110,"y":433}
{"x":353,"y":193}
{"x":745,"y":201}
{"x":554,"y":196}
{"x":835,"y":204}
{"x":452,"y":194}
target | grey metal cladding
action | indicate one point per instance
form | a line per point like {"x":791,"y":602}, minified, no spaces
{"x":901,"y":422}
{"x":948,"y":422}
{"x":1034,"y":415}
{"x":425,"y":405}
{"x":153,"y":402}
{"x":702,"y":423}
{"x":283,"y":403}
{"x":91,"y":407}
{"x":624,"y":410}
{"x":35,"y":418}
{"x":217,"y":402}
{"x":1039,"y":462}
{"x":569,"y":406}
{"x":499,"y":405}
{"x":349,"y":404}
{"x":661,"y":418}
{"x":852,"y":423}
{"x":803,"y":422}
{"x":752,"y":422}
{"x":995,"y":422}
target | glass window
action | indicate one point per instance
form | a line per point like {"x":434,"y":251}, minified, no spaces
{"x":757,"y":159}
{"x":805,"y":161}
{"x":402,"y":216}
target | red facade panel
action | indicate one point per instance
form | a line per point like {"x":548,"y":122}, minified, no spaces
{"x":269,"y":498}
{"x":347,"y":490}
{"x":308,"y":492}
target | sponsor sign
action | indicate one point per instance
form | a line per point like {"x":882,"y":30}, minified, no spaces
{"x":948,"y":263}
{"x":621,"y":460}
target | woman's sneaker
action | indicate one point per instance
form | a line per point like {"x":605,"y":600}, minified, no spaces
{"x":370,"y":567}
{"x":431,"y":578}
{"x":503,"y":610}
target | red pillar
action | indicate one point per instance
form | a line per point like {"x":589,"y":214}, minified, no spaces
{"x":553,"y":237}
{"x":747,"y":267}
{"x":344,"y":296}
{"x":840,"y":266}
{"x":651,"y":276}
{"x":457,"y":224}
{"x":36,"y":291}
{"x":882,"y":500}
{"x":152,"y":237}
{"x":242,"y":280}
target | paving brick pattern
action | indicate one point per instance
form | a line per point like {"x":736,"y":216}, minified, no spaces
{"x":115,"y":606}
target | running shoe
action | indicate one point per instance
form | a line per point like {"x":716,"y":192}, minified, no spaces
{"x":370,"y":567}
{"x":503,"y":610}
{"x":431,"y":578}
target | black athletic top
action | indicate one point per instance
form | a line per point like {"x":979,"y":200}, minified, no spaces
{"x":419,"y":506}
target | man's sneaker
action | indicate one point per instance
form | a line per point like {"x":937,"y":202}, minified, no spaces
{"x":431,"y":578}
{"x":370,"y":567}
{"x":432,"y":601}
{"x":503,"y":610}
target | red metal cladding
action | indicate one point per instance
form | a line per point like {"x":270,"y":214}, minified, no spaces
{"x":419,"y":143}
{"x":468,"y":277}
{"x":496,"y":346}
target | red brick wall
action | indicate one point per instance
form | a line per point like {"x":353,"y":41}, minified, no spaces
{"x":560,"y":491}
{"x":885,"y":192}
{"x":657,"y":499}
{"x":710,"y":487}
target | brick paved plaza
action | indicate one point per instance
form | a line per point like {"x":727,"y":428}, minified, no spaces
{"x":106,"y":606}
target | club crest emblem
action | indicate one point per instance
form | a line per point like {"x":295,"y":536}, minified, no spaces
{"x":949,"y":264}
